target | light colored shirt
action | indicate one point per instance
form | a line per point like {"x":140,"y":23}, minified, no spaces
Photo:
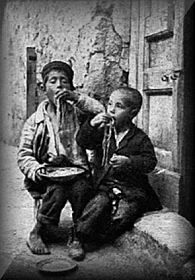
{"x":39,"y":138}
{"x":119,"y":137}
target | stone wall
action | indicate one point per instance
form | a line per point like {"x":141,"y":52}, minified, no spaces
{"x":94,"y":34}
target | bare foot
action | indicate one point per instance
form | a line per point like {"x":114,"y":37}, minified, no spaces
{"x":36,"y":244}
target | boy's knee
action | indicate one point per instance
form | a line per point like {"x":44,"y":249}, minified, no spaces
{"x":127,"y":212}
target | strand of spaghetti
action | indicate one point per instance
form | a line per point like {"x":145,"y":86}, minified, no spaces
{"x":106,"y":142}
{"x":58,"y":112}
{"x":104,"y":146}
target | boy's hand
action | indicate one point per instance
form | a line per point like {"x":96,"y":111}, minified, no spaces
{"x":100,"y":120}
{"x":118,"y":160}
{"x":60,"y":160}
{"x":67,"y":94}
{"x":39,"y":173}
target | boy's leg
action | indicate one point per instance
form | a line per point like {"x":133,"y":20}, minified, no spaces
{"x":128,"y":212}
{"x":48,"y":216}
{"x":80,"y":192}
{"x":35,"y":241}
{"x":53,"y":202}
{"x":96,"y":218}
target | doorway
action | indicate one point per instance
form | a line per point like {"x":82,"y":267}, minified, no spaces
{"x":188,"y":152}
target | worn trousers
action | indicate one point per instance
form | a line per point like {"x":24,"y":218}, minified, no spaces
{"x":99,"y":223}
{"x":55,"y":196}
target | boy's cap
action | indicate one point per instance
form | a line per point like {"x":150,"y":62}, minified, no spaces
{"x":58,"y":65}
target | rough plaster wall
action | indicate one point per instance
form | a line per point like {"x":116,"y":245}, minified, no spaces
{"x":94,"y":34}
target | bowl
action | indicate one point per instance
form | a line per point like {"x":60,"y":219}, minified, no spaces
{"x":62,"y":174}
{"x":57,"y":265}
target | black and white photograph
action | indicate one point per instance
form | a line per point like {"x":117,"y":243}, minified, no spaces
{"x":97,"y":140}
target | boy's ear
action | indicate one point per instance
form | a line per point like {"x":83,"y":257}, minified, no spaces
{"x":40,"y":86}
{"x":133,"y":112}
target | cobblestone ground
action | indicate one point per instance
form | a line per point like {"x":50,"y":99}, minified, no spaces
{"x":16,"y":210}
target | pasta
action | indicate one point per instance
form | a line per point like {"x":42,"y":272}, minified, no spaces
{"x":106,"y":142}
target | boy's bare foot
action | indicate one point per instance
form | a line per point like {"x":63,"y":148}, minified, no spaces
{"x":36,"y":244}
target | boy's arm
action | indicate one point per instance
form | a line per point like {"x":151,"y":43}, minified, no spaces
{"x":25,"y":156}
{"x":88,"y":104}
{"x":89,"y":137}
{"x":146,"y":161}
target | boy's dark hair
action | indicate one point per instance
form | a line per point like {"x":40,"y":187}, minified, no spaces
{"x":58,"y":65}
{"x":135,"y":97}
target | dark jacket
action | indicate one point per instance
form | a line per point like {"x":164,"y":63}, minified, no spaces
{"x":131,"y":179}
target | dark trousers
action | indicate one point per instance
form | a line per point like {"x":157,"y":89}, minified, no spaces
{"x":99,"y":223}
{"x":55,"y":196}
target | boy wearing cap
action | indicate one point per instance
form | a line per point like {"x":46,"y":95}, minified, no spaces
{"x":48,"y":138}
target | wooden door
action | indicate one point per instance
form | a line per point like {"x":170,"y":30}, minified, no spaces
{"x":156,"y":58}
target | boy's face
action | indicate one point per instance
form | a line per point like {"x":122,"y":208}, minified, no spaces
{"x":118,"y":108}
{"x":57,"y":81}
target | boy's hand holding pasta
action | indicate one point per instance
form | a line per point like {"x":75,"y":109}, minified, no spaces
{"x":67,"y":94}
{"x":101,"y":120}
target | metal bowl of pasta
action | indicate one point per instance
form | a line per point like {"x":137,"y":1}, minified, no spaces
{"x":62,"y":174}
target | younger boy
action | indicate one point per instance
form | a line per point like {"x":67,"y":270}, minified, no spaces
{"x":123,"y":189}
{"x":48,"y":138}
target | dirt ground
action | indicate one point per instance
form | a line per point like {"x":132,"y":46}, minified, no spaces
{"x":16,"y":208}
{"x":112,"y":262}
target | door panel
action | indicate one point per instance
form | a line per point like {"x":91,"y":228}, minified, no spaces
{"x":159,"y":78}
{"x":157,"y":84}
{"x":159,"y":17}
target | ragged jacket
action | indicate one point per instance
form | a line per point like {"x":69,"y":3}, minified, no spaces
{"x":132,"y":179}
{"x":37,"y":134}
